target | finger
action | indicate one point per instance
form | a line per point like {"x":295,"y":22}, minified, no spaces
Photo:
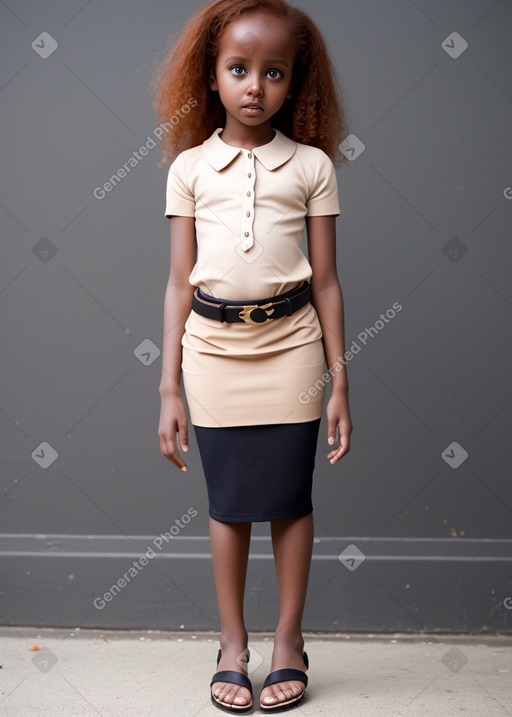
{"x":163,"y":446}
{"x":331,"y":430}
{"x":334,"y":456}
{"x":344,"y":441}
{"x":178,"y":461}
{"x":183,"y":434}
{"x":343,"y":448}
{"x":174,"y":456}
{"x":169,"y":450}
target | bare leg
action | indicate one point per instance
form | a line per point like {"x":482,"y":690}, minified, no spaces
{"x":292,"y":541}
{"x":230,"y":551}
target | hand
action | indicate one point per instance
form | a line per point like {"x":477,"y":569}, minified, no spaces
{"x":173,"y":420}
{"x":338,"y":417}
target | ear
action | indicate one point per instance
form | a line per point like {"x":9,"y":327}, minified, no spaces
{"x":213,"y":83}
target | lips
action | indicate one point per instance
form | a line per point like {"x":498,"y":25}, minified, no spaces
{"x":253,"y":107}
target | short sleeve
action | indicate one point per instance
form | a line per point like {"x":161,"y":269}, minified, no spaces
{"x":179,"y":199}
{"x":323,"y":195}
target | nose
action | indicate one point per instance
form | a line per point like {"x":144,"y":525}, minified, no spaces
{"x":254,"y":87}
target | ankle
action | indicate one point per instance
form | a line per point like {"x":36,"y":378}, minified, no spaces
{"x":234,"y":643}
{"x":289,"y":640}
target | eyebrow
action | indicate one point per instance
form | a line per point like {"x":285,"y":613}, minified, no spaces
{"x":239,"y":58}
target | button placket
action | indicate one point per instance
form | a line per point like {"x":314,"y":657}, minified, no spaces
{"x":246,"y":234}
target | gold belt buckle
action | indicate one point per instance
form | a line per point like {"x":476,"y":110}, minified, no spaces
{"x":254,"y":314}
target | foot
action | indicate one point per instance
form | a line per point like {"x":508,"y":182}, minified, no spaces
{"x":285,"y":656}
{"x":227,"y":692}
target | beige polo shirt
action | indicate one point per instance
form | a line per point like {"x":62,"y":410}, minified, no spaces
{"x":250,"y":208}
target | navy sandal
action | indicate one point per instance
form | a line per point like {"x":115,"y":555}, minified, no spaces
{"x":286,"y":675}
{"x":235,"y":678}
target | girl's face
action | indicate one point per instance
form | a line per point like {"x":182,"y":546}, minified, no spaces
{"x":254,"y":67}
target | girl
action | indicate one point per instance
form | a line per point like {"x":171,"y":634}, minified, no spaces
{"x":255,"y":115}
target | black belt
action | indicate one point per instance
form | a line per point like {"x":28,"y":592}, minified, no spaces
{"x":260,"y":311}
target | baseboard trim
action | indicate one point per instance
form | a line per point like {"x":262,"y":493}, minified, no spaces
{"x":357,"y":583}
{"x":59,"y":545}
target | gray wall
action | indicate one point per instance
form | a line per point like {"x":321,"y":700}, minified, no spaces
{"x":424,"y":542}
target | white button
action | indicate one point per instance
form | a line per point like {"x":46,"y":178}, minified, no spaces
{"x":247,"y":239}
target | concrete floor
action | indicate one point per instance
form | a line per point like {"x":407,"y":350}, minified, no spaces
{"x":157,"y":674}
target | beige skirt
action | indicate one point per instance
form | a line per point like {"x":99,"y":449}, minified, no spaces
{"x":241,"y":374}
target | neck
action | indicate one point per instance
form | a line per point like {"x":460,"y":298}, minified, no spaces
{"x":240,"y":135}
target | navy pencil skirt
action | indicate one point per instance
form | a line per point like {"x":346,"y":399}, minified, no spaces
{"x":259,"y":472}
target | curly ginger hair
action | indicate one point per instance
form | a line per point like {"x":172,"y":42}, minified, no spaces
{"x":180,"y":86}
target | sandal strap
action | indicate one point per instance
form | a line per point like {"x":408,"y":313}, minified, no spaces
{"x":235,"y":678}
{"x":219,"y":655}
{"x":286,"y":675}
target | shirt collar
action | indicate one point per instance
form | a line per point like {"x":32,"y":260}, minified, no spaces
{"x":271,"y":155}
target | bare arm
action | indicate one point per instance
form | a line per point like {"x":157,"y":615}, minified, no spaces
{"x":327,"y":298}
{"x":177,"y":304}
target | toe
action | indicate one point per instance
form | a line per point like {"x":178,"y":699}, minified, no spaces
{"x":242,"y":697}
{"x":296,"y":687}
{"x":281,"y":691}
{"x":231,"y":694}
{"x":267,"y":697}
{"x":272,"y":694}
